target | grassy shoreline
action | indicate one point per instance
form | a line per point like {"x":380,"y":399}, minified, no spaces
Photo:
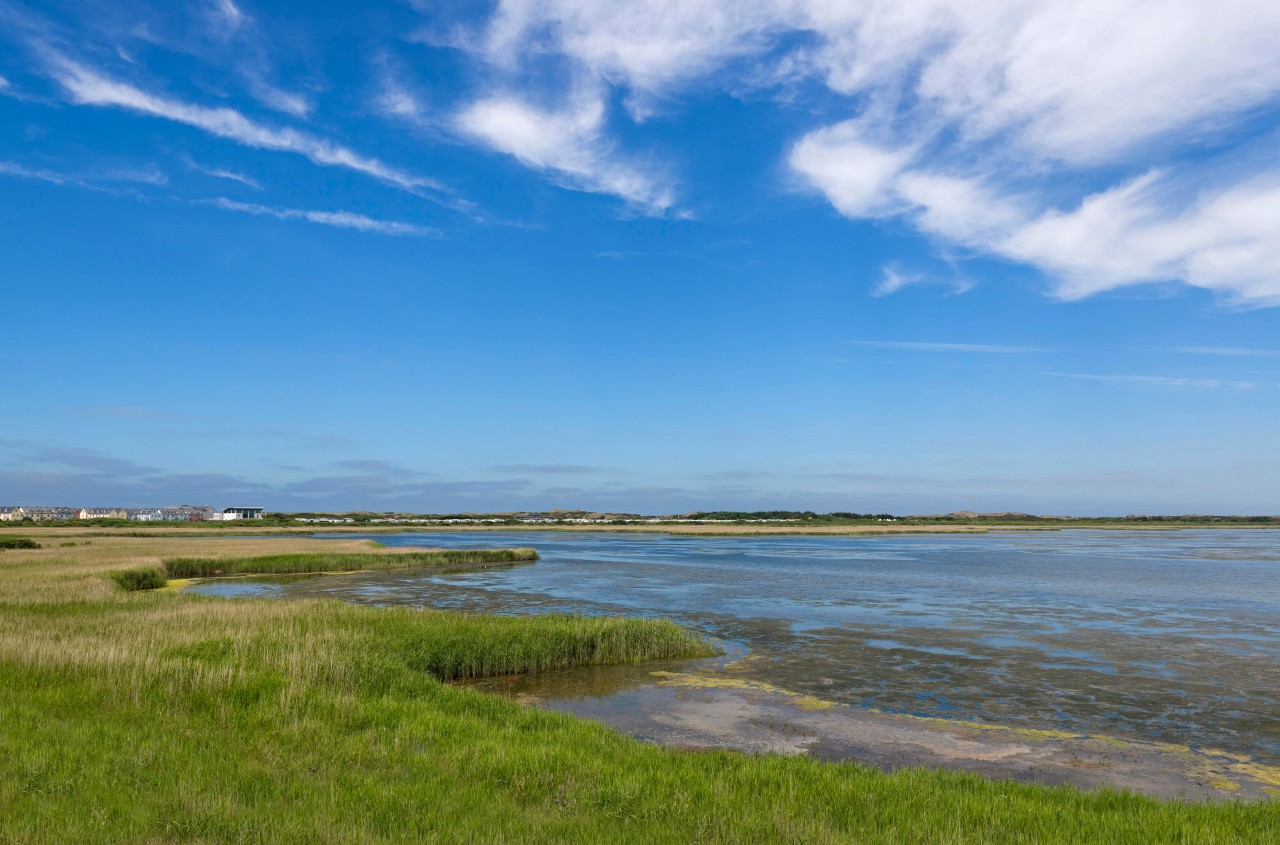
{"x":168,"y":717}
{"x":286,"y":564}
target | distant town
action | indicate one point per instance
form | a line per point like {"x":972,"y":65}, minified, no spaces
{"x":170,"y":513}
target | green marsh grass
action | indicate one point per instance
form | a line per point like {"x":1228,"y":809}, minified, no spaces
{"x":281,"y":564}
{"x":155,"y":717}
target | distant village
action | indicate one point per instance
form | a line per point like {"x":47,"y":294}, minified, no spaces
{"x":171,"y":513}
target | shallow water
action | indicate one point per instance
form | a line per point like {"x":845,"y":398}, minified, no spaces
{"x":1167,"y":635}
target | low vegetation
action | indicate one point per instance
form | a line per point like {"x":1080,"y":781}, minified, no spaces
{"x":204,"y":567}
{"x":168,"y":717}
{"x":10,"y":542}
{"x":142,"y":578}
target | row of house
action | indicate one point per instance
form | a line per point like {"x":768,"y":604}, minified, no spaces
{"x":172,"y":513}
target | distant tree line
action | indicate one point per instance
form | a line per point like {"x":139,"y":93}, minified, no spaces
{"x":778,"y":515}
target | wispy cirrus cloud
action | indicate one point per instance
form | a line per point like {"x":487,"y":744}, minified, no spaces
{"x":221,"y":173}
{"x":338,"y":219}
{"x":86,"y":86}
{"x":10,"y":168}
{"x":894,"y":279}
{"x":1232,"y":351}
{"x":932,"y":346}
{"x":97,"y":179}
{"x":227,"y":14}
{"x":1161,"y":381}
{"x":569,"y":144}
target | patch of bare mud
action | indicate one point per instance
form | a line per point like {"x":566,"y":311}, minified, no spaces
{"x":704,"y":709}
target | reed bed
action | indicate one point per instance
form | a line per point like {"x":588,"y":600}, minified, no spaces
{"x":204,"y":567}
{"x":155,"y":717}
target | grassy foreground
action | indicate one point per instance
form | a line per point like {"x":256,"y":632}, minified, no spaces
{"x":167,"y":717}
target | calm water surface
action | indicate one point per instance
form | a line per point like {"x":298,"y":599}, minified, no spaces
{"x":1173,"y":635}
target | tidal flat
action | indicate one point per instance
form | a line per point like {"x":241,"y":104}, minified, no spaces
{"x":1090,"y":648}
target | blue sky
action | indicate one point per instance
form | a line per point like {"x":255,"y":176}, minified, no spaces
{"x":914,"y":256}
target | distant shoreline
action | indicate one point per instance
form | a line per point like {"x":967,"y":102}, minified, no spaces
{"x":673,"y":529}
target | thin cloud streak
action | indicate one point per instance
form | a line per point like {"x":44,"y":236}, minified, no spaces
{"x":339,"y":219}
{"x":150,"y":175}
{"x":87,"y":87}
{"x":221,"y":173}
{"x":1161,"y":381}
{"x":1231,"y":351}
{"x":922,"y":346}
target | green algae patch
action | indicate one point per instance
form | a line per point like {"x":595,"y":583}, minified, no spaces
{"x":682,"y":679}
{"x":1032,"y":733}
{"x":1218,"y":752}
{"x":1259,"y":772}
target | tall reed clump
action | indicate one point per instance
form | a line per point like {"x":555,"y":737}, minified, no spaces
{"x":454,"y":646}
{"x":142,"y":578}
{"x":205,"y":567}
{"x":8,"y":541}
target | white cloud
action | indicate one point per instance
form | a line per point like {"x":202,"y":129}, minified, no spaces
{"x":276,"y":98}
{"x":396,"y":100}
{"x":1224,"y":241}
{"x":568,"y":144}
{"x":229,"y":14}
{"x":221,"y":173}
{"x":1141,"y":231}
{"x":87,"y":87}
{"x":648,"y":46}
{"x":1078,"y":79}
{"x":856,"y":175}
{"x":339,"y":219}
{"x":977,"y":119}
{"x":893,"y":280}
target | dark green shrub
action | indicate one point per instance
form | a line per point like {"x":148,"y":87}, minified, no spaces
{"x":143,"y":578}
{"x":10,"y":542}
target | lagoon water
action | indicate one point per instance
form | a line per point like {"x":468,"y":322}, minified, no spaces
{"x":1167,"y":635}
